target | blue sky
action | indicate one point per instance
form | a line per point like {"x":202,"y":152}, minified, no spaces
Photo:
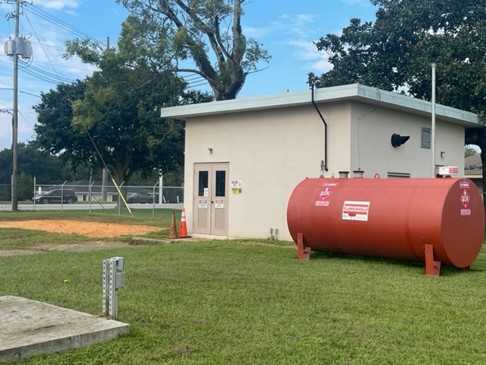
{"x":286,"y":28}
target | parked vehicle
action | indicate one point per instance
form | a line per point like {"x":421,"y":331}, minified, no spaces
{"x":140,"y":198}
{"x":56,"y":196}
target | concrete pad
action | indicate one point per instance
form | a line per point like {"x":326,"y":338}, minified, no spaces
{"x":29,"y":328}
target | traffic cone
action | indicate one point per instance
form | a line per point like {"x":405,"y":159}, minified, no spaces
{"x":172,"y":232}
{"x":183,"y":225}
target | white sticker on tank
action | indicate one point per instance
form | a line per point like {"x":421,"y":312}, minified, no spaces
{"x":355,"y":210}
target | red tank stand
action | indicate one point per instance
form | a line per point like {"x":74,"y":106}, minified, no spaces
{"x":303,"y":253}
{"x":432,"y":267}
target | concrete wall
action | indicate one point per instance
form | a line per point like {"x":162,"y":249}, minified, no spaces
{"x":372,"y":151}
{"x":271,"y":151}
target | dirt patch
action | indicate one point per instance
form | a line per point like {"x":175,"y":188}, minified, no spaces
{"x":89,"y":229}
{"x":85,"y":246}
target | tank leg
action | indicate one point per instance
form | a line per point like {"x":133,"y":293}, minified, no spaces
{"x":432,"y":267}
{"x":303,"y":252}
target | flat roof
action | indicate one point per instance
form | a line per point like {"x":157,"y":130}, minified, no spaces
{"x":352,"y":92}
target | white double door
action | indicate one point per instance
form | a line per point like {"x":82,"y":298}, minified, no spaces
{"x":210,"y":208}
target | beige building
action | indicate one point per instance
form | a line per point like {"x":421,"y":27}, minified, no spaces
{"x":243,"y":157}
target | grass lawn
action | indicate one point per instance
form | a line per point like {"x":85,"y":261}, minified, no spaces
{"x":14,"y":238}
{"x":239,"y":302}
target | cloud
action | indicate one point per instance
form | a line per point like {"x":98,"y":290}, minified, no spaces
{"x":313,"y":60}
{"x":58,"y":4}
{"x":356,"y":2}
{"x":296,"y":25}
{"x":48,"y":47}
{"x":292,"y":37}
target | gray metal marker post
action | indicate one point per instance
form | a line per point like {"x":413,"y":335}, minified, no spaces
{"x":113,"y":279}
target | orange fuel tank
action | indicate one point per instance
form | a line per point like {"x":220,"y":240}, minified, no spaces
{"x":392,"y":218}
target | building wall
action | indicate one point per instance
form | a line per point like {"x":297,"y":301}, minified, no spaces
{"x":271,"y":151}
{"x":372,"y":150}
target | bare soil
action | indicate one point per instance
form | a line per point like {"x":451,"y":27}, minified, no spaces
{"x":88,"y":229}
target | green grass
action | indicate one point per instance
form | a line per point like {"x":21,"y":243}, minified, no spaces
{"x":138,"y":216}
{"x":13,"y":238}
{"x":229,"y":302}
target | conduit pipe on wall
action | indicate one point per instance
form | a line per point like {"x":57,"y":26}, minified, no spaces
{"x":325,"y":127}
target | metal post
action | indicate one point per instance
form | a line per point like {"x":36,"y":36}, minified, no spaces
{"x":113,"y":279}
{"x":35,"y":190}
{"x":105,"y":285}
{"x":104,"y":182}
{"x":161,"y":186}
{"x":120,"y":201}
{"x":432,"y":132}
{"x":113,"y":294}
{"x":90,"y":194}
{"x":153,"y":199}
{"x":62,"y":195}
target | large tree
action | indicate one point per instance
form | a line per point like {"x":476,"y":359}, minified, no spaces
{"x":112,"y":117}
{"x":396,"y":52}
{"x":54,"y":132}
{"x":208,"y":32}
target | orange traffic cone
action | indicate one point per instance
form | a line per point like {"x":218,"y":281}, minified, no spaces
{"x":183,"y":225}
{"x":172,"y":232}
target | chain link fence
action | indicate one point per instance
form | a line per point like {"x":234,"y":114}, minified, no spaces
{"x":5,"y":192}
{"x":95,"y":193}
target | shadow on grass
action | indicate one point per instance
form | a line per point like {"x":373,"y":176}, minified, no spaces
{"x":445,"y":271}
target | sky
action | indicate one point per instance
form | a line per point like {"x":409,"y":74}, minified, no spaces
{"x":286,"y":28}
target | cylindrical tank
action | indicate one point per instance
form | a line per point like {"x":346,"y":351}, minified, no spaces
{"x":392,"y":218}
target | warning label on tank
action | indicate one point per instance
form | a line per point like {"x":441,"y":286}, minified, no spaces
{"x":465,"y":198}
{"x":355,"y":211}
{"x":324,"y":194}
{"x":464,"y":184}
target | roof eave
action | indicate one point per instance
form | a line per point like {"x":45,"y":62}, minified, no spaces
{"x":354,"y":92}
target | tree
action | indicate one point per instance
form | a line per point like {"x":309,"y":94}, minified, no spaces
{"x":184,"y":29}
{"x":54,"y":132}
{"x":395,"y":54}
{"x":112,"y":117}
{"x":32,"y":163}
{"x":469,"y":151}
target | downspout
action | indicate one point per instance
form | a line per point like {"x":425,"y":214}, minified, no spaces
{"x":323,"y":162}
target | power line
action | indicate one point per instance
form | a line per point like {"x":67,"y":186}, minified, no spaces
{"x":37,"y":72}
{"x":41,"y":45}
{"x":61,"y":24}
{"x":43,"y":74}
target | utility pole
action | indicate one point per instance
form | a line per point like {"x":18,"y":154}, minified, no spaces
{"x":15,"y":48}
{"x":15,"y":119}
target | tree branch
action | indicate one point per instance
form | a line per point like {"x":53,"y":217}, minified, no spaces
{"x":238,"y":38}
{"x":211,"y":32}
